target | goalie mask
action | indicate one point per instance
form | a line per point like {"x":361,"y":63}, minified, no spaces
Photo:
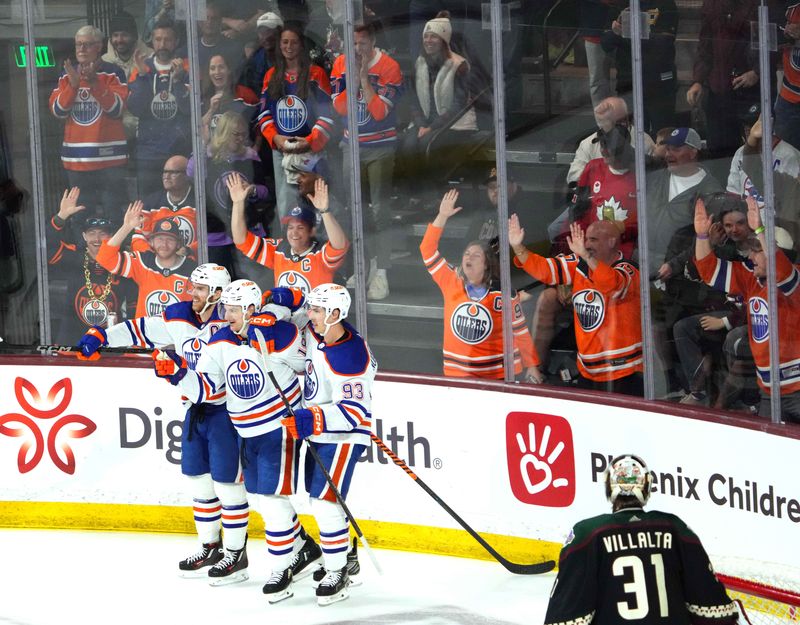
{"x":242,"y":293}
{"x":213,"y":276}
{"x":628,"y":476}
{"x":330,"y":297}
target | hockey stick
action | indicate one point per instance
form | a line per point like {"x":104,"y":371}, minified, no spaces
{"x":67,"y":350}
{"x":310,"y":449}
{"x":519,"y":569}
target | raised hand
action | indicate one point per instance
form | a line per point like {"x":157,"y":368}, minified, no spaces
{"x":72,"y":74}
{"x":320,"y":196}
{"x":753,"y":214}
{"x":238,"y":187}
{"x":516,"y":233}
{"x":177,"y":68}
{"x":89,"y":72}
{"x":447,"y":207}
{"x":133,"y":216}
{"x":69,"y":203}
{"x":577,"y":240}
{"x":702,"y":222}
{"x":139,"y":58}
{"x":716,"y":233}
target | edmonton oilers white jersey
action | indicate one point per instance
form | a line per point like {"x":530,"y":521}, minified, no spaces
{"x":180,"y":327}
{"x":338,"y":379}
{"x":228,"y":364}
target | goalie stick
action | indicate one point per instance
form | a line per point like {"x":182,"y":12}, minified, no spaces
{"x":513,"y":567}
{"x":310,"y":448}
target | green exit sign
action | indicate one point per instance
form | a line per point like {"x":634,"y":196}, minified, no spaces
{"x":44,"y":56}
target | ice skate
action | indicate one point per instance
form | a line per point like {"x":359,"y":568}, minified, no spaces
{"x":353,"y":566}
{"x":333,"y":587}
{"x":195,"y":565}
{"x":307,"y":560}
{"x":230,"y":569}
{"x":279,"y":586}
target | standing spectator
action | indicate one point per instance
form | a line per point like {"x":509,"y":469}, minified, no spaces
{"x":175,"y":200}
{"x":608,"y":557}
{"x":95,"y":294}
{"x":298,"y":260}
{"x":162,"y":274}
{"x":594,"y":17}
{"x":605,"y":298}
{"x":268,"y":30}
{"x":751,"y":284}
{"x":122,"y":45}
{"x":380,"y":81}
{"x":296,"y":109}
{"x":221,"y":95}
{"x":787,"y":106}
{"x":473,"y":335}
{"x":659,"y":75}
{"x":91,"y":97}
{"x":212,"y":42}
{"x":725,"y":78}
{"x":160,"y":99}
{"x":156,"y":11}
{"x":228,"y":153}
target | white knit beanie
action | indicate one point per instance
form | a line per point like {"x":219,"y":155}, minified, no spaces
{"x":441,"y":27}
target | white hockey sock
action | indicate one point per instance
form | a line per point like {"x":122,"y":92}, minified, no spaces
{"x":235,"y":513}
{"x":334,"y":533}
{"x":281,"y":529}
{"x":207,"y":508}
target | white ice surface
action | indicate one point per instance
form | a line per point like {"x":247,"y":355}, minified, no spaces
{"x":91,"y":578}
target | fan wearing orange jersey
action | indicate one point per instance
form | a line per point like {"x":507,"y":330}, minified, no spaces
{"x":473,"y":323}
{"x":605,"y":298}
{"x":299,"y":260}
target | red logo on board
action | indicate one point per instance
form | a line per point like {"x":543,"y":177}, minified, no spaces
{"x":64,"y":426}
{"x":541,"y":459}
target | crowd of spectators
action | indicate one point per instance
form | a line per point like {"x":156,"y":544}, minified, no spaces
{"x":273,"y":93}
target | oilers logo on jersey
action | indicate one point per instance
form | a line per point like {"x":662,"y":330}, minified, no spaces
{"x":471,"y":322}
{"x":362,"y":113}
{"x":221,"y":194}
{"x":164,"y":106}
{"x":191,"y":350}
{"x":291,"y":113}
{"x":186,"y":228}
{"x":590,"y":309}
{"x":244,"y":378}
{"x":157,"y":301}
{"x":86,"y":110}
{"x":759,"y":321}
{"x":310,"y":384}
{"x":296,"y":280}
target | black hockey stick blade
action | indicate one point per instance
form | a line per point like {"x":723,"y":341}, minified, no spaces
{"x":513,"y":567}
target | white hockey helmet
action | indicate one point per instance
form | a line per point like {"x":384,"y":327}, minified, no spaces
{"x":330,"y":297}
{"x":243,"y":293}
{"x":628,"y":476}
{"x":212,"y":275}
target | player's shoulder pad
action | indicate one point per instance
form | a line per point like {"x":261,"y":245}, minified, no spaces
{"x":284,"y":333}
{"x":181,"y":311}
{"x":348,"y":357}
{"x":225,"y":335}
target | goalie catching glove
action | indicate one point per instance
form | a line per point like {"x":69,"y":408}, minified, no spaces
{"x":290,"y":297}
{"x":305,"y":422}
{"x":91,"y":342}
{"x":169,"y":365}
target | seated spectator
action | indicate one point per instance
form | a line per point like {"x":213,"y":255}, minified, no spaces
{"x":605,"y":298}
{"x":94,"y":296}
{"x":380,"y":81}
{"x":298,"y":260}
{"x":443,"y":116}
{"x":473,"y":323}
{"x":122,"y":44}
{"x":609,"y":113}
{"x":175,"y":200}
{"x":268,"y":30}
{"x":160,"y":99}
{"x":220,"y":95}
{"x":296,"y":109}
{"x":91,"y":97}
{"x":229,"y":152}
{"x":750,"y":282}
{"x":162,"y":274}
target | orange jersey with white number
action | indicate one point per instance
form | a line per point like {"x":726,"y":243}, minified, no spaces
{"x":473,"y":328}
{"x":303,"y":272}
{"x":608,"y":322}
{"x":158,"y":287}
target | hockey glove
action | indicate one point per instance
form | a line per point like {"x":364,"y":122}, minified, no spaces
{"x":91,"y":342}
{"x":290,"y":297}
{"x":305,"y":422}
{"x":263,"y":326}
{"x":169,"y":365}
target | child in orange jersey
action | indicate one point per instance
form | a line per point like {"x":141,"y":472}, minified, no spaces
{"x":473,"y":327}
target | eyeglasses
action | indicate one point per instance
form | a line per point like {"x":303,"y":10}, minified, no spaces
{"x":97,"y":222}
{"x":82,"y":45}
{"x":173,"y":172}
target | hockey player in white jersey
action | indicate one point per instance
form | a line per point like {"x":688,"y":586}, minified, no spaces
{"x":270,"y":458}
{"x":336,"y":419}
{"x":209,"y":445}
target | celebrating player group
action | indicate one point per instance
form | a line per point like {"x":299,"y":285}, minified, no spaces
{"x":235,"y":354}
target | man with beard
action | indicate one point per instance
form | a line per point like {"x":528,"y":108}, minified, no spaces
{"x":96,"y":294}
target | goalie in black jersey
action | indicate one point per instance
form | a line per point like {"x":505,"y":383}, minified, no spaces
{"x":633,"y":566}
